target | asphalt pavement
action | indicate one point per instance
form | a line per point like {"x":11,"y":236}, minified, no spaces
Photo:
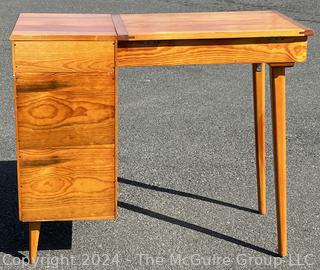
{"x":187,"y":180}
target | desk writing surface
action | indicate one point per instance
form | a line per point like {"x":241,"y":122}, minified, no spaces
{"x":56,"y":26}
{"x":208,"y":25}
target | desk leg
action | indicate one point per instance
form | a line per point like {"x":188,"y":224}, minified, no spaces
{"x":258,"y":71}
{"x":278,"y":102}
{"x":34,"y":233}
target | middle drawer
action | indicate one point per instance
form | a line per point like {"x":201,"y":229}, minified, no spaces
{"x":65,"y":109}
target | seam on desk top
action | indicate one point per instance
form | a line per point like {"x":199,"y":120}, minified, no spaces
{"x":119,"y":27}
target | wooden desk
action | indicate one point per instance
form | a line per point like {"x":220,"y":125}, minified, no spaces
{"x":65,"y":74}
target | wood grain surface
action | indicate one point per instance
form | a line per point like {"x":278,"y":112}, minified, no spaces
{"x":69,"y":183}
{"x":55,"y":26}
{"x":231,"y":51}
{"x":156,"y":26}
{"x":65,"y":109}
{"x":210,"y":25}
{"x":63,"y":56}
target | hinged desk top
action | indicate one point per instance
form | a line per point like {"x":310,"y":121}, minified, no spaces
{"x":157,"y":26}
{"x":209,"y":25}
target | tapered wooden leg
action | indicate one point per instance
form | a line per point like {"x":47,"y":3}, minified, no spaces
{"x":278,"y":101}
{"x":34,"y":233}
{"x":258,"y":71}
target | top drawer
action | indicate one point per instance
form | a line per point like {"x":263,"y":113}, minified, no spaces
{"x":63,"y":56}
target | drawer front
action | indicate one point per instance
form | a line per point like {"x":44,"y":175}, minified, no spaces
{"x":65,"y":109}
{"x":67,"y":184}
{"x":63,"y":56}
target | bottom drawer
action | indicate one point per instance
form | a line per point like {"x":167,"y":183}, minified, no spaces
{"x":67,"y":184}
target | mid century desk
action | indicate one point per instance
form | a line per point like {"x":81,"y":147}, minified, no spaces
{"x":65,"y":77}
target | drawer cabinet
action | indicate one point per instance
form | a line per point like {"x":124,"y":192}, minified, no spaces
{"x":65,"y":93}
{"x":66,"y":120}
